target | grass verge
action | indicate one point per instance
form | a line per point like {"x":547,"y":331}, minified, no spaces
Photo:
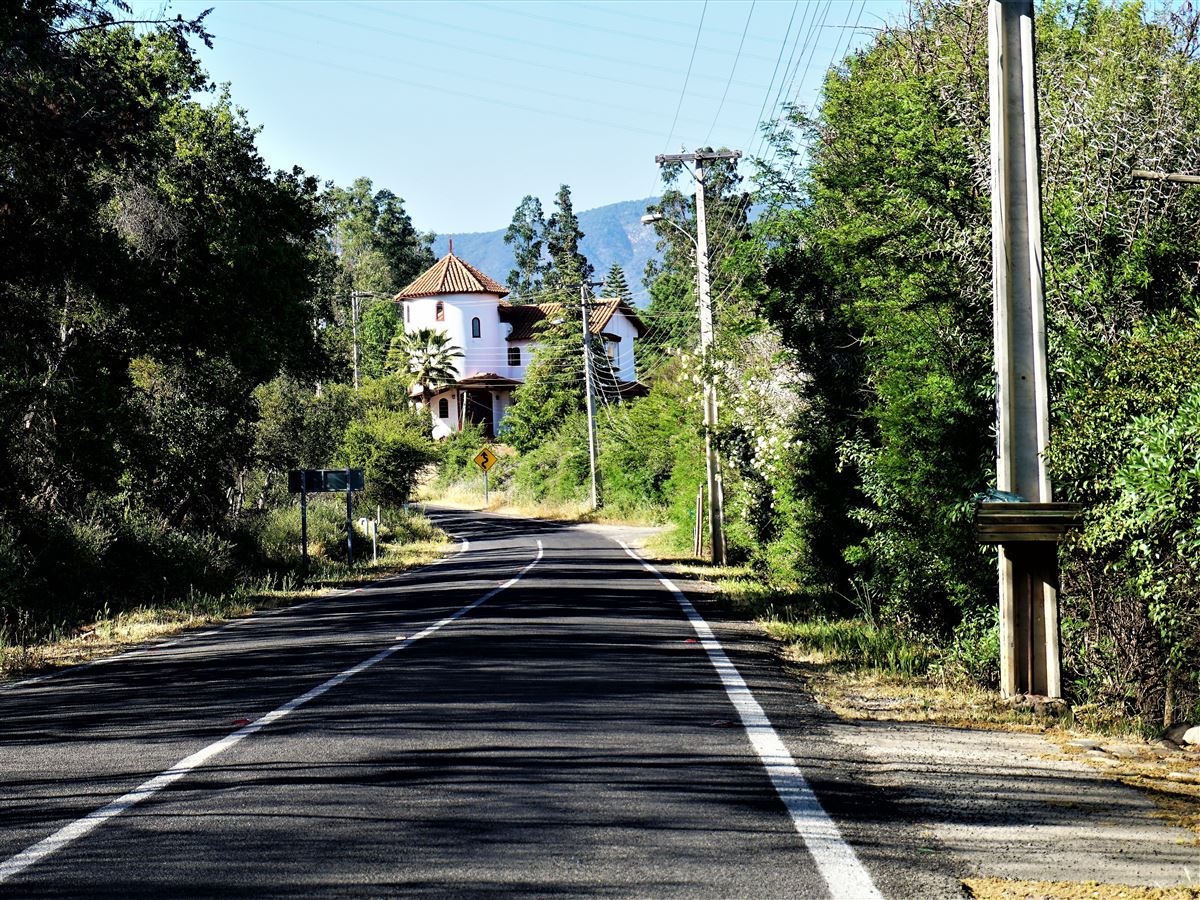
{"x":113,"y":633}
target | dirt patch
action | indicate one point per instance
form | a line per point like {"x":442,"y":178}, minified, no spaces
{"x":1002,"y":889}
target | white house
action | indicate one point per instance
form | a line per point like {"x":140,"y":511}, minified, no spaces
{"x":497,"y":340}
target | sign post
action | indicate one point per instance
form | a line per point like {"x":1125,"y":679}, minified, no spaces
{"x":349,"y":521}
{"x":304,"y":527}
{"x":306,"y":481}
{"x":485,"y":459}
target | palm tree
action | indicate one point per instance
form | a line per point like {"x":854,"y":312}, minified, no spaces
{"x":427,"y":357}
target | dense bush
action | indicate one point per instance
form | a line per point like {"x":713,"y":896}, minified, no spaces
{"x":878,"y":279}
{"x":393,"y":448}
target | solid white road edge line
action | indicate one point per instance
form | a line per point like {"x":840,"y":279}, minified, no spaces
{"x":464,"y":546}
{"x":835,"y":859}
{"x":80,"y":827}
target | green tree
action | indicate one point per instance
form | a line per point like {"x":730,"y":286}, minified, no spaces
{"x":569,"y":268}
{"x":427,"y":358}
{"x":375,"y":238}
{"x":156,"y":272}
{"x":378,"y":326}
{"x":527,"y":236}
{"x":671,"y":281}
{"x":394,"y":447}
{"x":615,"y":284}
{"x":554,"y":382}
{"x":878,"y":276}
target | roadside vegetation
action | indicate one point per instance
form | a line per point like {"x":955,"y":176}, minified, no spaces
{"x":854,"y":370}
{"x":177,"y":337}
{"x":180,"y":319}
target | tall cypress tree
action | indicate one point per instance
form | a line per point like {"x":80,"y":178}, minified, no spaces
{"x":569,"y":268}
{"x":526,"y":234}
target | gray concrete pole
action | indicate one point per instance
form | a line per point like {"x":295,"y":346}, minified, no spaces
{"x":716,"y":513}
{"x":1029,"y":636}
{"x":591,"y":400}
{"x":354,"y":329}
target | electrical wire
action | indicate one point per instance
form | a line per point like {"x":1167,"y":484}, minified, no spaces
{"x":733,"y":71}
{"x":686,"y":78}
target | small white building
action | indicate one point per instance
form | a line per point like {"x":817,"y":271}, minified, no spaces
{"x":497,"y":341}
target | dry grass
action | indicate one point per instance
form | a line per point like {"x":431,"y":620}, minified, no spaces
{"x":1003,"y":889}
{"x":114,"y":634}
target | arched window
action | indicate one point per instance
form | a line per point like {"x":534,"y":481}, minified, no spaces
{"x":514,"y":356}
{"x":440,"y":311}
{"x":443,"y":408}
{"x":476,"y":328}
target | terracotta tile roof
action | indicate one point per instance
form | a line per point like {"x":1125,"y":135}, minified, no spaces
{"x":450,"y":275}
{"x":604,"y":310}
{"x":525,"y":318}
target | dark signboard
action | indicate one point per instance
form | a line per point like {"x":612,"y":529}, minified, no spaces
{"x":316,"y":481}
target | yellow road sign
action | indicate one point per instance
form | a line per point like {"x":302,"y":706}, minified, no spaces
{"x":485,"y":459}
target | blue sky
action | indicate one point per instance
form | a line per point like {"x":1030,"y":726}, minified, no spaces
{"x":462,"y":108}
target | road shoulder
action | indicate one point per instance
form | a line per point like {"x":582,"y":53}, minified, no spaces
{"x":999,"y":809}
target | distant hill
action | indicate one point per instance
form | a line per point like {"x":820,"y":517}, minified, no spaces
{"x":611,"y":234}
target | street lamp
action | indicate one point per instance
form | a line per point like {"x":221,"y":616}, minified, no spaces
{"x":716,"y":499}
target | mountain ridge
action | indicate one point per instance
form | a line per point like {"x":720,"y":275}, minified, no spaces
{"x":612,"y":233}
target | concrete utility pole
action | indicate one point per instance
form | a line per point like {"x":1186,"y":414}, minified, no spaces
{"x":354,"y":329}
{"x":591,"y":400}
{"x":1029,"y":631}
{"x":716,"y":497}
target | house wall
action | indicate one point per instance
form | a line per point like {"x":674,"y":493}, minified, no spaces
{"x":447,"y":425}
{"x":620,"y":326}
{"x":502,"y":404}
{"x":488,"y":352}
{"x":518,"y":372}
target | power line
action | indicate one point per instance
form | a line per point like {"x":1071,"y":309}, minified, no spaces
{"x":686,"y":78}
{"x":425,"y":86}
{"x":591,"y":28}
{"x":736,"y":59}
{"x":359,"y":53}
{"x":459,"y":28}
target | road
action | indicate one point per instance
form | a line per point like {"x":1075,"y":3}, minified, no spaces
{"x":537,"y":713}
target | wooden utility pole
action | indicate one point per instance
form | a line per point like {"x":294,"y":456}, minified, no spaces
{"x":591,"y":400}
{"x":1176,"y":177}
{"x":716,"y":502}
{"x":1029,"y":630}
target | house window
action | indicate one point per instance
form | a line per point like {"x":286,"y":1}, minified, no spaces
{"x":440,"y":311}
{"x":443,"y":408}
{"x":514,"y":356}
{"x":476,"y":329}
{"x":407,"y":313}
{"x":614,"y":352}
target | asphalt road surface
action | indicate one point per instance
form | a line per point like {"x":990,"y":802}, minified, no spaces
{"x":538,"y":713}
